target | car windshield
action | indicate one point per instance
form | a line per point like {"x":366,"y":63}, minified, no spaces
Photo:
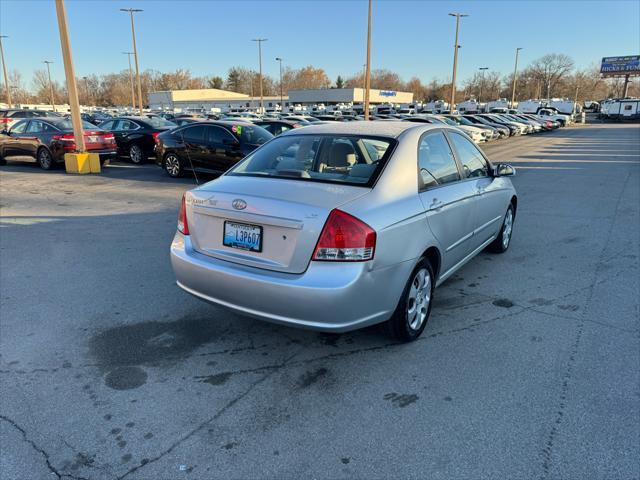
{"x":251,"y":134}
{"x":159,"y":122}
{"x":347,"y":159}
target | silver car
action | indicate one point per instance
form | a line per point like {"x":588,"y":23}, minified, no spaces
{"x":338,"y":226}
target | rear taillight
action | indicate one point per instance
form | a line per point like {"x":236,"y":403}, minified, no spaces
{"x":68,"y":141}
{"x":155,"y":136}
{"x":109,"y":138}
{"x":344,"y":238}
{"x":5,"y":120}
{"x":183,"y":225}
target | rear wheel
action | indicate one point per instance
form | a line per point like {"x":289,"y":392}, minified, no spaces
{"x":136,"y":154}
{"x":172,"y":165}
{"x":503,"y":240}
{"x":414,"y":309}
{"x":44,"y":158}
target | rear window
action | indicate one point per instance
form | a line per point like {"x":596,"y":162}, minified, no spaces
{"x":159,"y":122}
{"x":347,"y":159}
{"x":66,"y":124}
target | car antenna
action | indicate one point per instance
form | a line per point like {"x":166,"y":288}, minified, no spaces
{"x":195,"y":175}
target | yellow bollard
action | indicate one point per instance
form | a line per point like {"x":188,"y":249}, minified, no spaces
{"x":82,"y":163}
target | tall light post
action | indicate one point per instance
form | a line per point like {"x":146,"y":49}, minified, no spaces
{"x":278,"y":59}
{"x":53,"y":105}
{"x":131,"y":11}
{"x":482,"y":70}
{"x":367,"y":76}
{"x":259,"y":41}
{"x":133,"y":94}
{"x":76,"y":120}
{"x":455,"y":59}
{"x":515,"y":74}
{"x":86,"y":88}
{"x":4,"y":69}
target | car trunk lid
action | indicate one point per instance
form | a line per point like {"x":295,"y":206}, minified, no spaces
{"x":287,"y":215}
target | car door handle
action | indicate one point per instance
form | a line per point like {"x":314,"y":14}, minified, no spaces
{"x":436,"y":204}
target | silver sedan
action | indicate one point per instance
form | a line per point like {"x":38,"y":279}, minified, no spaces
{"x":338,"y":226}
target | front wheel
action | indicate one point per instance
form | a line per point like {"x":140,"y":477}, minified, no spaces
{"x":136,"y":154}
{"x":503,"y":240}
{"x":45,"y":160}
{"x":414,"y":309}
{"x":172,"y":165}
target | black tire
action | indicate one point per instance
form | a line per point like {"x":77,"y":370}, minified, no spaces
{"x":173,"y":165}
{"x":501,"y":243}
{"x":136,"y":154}
{"x":45,"y":159}
{"x":399,"y":326}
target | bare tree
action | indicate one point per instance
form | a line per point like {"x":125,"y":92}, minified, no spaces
{"x":551,"y":70}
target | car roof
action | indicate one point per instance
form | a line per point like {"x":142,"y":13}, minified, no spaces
{"x":382,"y":129}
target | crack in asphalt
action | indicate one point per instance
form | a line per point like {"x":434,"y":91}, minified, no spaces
{"x":217,"y":415}
{"x":547,"y":449}
{"x":41,"y":451}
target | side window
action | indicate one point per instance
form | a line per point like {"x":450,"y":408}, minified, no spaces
{"x":107,"y":125}
{"x":127,"y":125}
{"x":35,"y":126}
{"x":193,"y":134}
{"x":435,"y":162}
{"x":218,"y":135}
{"x":473,"y":163}
{"x":19,"y":127}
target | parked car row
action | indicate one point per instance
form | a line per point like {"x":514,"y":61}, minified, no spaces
{"x":210,"y":143}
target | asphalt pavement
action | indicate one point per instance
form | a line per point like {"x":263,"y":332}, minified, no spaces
{"x":528,"y":368}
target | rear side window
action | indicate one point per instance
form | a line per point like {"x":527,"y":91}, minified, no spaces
{"x":349,"y":159}
{"x":35,"y":126}
{"x":436,"y":163}
{"x":107,"y":125}
{"x":19,"y":127}
{"x":217,"y":135}
{"x":193,"y":134}
{"x":473,"y":163}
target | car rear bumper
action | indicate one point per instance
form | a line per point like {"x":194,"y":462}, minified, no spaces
{"x":327,"y":297}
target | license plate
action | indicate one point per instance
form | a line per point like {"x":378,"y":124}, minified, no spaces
{"x":242,"y":236}
{"x":92,"y":139}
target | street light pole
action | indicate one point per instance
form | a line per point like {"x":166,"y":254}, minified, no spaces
{"x":455,"y":60}
{"x":482,"y":70}
{"x":135,"y":54}
{"x":367,"y":77}
{"x":281,"y":101}
{"x":260,"y":40}
{"x":4,"y":68}
{"x":86,"y":88}
{"x":76,"y":120}
{"x":53,"y":105}
{"x":133,"y":94}
{"x":515,"y":74}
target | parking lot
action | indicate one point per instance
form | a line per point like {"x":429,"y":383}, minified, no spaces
{"x":528,"y":368}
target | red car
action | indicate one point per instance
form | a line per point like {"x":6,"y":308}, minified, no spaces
{"x":46,"y":140}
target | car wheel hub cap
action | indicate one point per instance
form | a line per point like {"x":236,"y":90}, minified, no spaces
{"x":136,"y":154}
{"x":418,"y":299}
{"x":506,"y":230}
{"x":44,"y":159}
{"x":173,"y":166}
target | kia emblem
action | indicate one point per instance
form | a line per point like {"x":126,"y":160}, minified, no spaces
{"x":239,"y":204}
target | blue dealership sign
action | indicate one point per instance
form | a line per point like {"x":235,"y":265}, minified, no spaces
{"x":387,"y":93}
{"x":629,"y":65}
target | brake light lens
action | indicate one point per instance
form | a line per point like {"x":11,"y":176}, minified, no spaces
{"x":183,"y":225}
{"x":344,"y":238}
{"x":68,"y":141}
{"x":155,"y":136}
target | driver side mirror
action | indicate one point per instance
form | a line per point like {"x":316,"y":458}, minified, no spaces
{"x":4,"y":131}
{"x":504,"y":170}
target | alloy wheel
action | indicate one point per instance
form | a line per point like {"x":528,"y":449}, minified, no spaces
{"x":135,"y":153}
{"x":172,"y":165}
{"x":507,"y":228}
{"x":418,"y":299}
{"x":44,"y":159}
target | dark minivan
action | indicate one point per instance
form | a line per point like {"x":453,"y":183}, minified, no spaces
{"x":211,"y":146}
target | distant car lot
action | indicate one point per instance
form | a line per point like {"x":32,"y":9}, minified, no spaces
{"x":527,"y":368}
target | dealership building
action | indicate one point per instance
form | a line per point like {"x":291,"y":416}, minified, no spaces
{"x":212,"y":99}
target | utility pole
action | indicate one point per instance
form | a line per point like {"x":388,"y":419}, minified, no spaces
{"x":455,"y":60}
{"x":367,"y":76}
{"x":76,"y":120}
{"x":482,"y":70}
{"x":135,"y":54}
{"x":281,"y":101}
{"x":625,"y":88}
{"x":515,"y":74}
{"x":133,"y":94}
{"x":86,"y":89}
{"x":53,"y":105}
{"x":4,"y":68}
{"x":260,"y":40}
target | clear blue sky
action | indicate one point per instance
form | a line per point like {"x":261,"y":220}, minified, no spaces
{"x":409,"y":37}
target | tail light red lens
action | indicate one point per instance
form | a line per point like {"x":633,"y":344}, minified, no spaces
{"x":183,"y":225}
{"x":68,"y":141}
{"x":344,"y":238}
{"x":155,"y":136}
